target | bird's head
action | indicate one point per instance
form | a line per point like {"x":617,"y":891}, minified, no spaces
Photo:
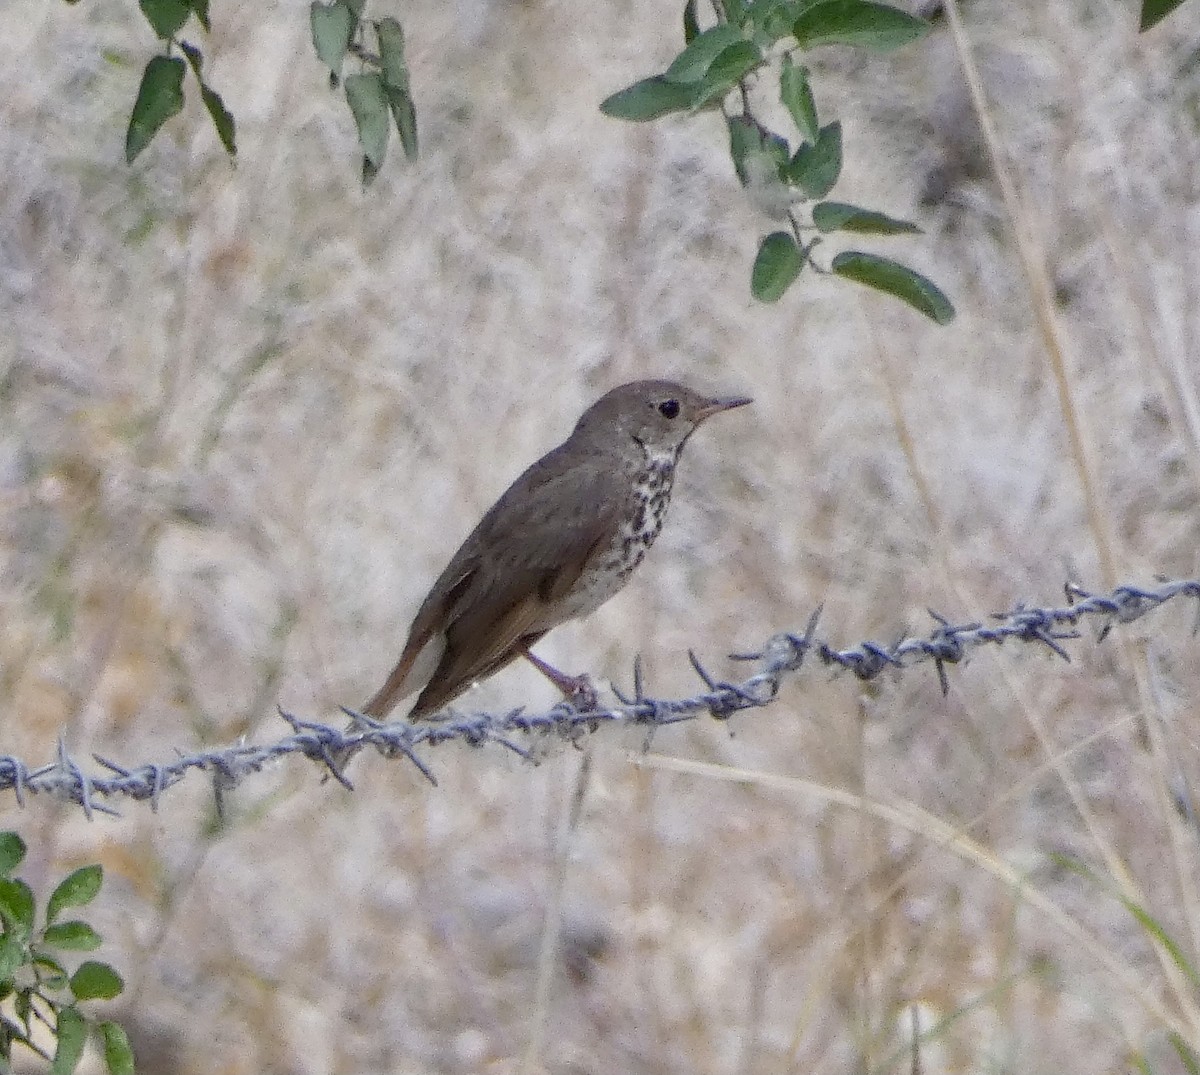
{"x":658,"y":415}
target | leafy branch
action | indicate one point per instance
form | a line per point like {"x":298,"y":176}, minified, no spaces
{"x":379,"y":95}
{"x":160,"y":95}
{"x":724,"y":60}
{"x":36,"y":990}
{"x":719,"y":64}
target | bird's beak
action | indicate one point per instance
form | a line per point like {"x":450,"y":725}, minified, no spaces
{"x":715,"y":406}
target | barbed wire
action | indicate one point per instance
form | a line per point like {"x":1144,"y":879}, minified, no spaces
{"x":782,"y":656}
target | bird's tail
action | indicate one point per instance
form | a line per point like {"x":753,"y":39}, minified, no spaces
{"x":410,"y":675}
{"x":390,"y":695}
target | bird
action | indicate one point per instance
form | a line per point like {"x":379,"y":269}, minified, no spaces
{"x":563,"y":539}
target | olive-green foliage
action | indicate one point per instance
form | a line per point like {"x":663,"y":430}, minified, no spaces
{"x":36,"y":988}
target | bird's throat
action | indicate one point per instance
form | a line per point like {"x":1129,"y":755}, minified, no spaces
{"x":650,"y":495}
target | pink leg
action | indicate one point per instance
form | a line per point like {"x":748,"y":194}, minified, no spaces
{"x":578,"y":689}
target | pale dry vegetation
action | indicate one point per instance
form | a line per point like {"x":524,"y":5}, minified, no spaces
{"x":246,"y":413}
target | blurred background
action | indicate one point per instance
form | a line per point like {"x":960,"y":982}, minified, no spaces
{"x":248,"y":411}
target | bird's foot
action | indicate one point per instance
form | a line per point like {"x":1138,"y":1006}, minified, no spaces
{"x":581,"y":692}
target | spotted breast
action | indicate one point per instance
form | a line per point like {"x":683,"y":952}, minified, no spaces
{"x":649,"y":495}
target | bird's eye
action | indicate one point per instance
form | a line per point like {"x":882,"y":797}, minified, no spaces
{"x":669,"y":408}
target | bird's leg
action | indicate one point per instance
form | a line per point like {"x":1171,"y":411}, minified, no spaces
{"x":579,"y":689}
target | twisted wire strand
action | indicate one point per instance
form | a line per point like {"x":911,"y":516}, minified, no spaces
{"x":781,"y":656}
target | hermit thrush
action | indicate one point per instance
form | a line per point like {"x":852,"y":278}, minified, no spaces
{"x":559,"y":543}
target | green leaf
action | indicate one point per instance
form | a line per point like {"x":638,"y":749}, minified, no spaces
{"x":883,"y":274}
{"x":1154,"y":11}
{"x":74,"y":936}
{"x":857,"y":22}
{"x":51,"y":973}
{"x":96,"y":981}
{"x":755,"y":151}
{"x":369,"y":103}
{"x":16,"y":905}
{"x":693,"y":62}
{"x":773,"y":19}
{"x":200,"y":9}
{"x":391,"y":54}
{"x":195,"y":58}
{"x":648,"y":99}
{"x":727,"y":70}
{"x":734,"y":64}
{"x":12,"y":956}
{"x":118,"y":1054}
{"x":404,"y":115}
{"x":160,"y":97}
{"x":72,"y":1035}
{"x":778,"y":263}
{"x":221,"y":118}
{"x":691,"y":26}
{"x":77,"y":889}
{"x":332,"y":27}
{"x":815,"y":167}
{"x":12,"y":851}
{"x":837,"y":216}
{"x":166,"y":17}
{"x":797,"y":97}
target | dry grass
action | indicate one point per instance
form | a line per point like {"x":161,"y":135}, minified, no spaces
{"x":246,"y":414}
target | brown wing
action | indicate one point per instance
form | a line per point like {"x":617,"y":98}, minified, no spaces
{"x":463,"y":663}
{"x":497,"y":594}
